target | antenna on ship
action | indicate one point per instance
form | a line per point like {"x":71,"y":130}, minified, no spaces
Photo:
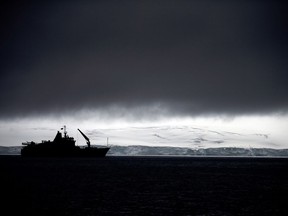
{"x":65,"y":132}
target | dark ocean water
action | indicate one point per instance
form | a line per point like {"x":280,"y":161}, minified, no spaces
{"x":144,"y":186}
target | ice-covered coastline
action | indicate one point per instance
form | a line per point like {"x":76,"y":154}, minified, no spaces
{"x":176,"y":151}
{"x":178,"y":141}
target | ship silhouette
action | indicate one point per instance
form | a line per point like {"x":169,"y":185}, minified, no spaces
{"x":62,"y":146}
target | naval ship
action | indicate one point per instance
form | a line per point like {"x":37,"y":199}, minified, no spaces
{"x":62,"y":146}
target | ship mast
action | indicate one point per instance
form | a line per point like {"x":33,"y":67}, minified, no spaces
{"x":65,"y":132}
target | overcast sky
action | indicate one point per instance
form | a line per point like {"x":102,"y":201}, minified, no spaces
{"x":183,"y":57}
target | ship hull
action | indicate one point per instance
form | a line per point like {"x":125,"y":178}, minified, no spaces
{"x":73,"y":152}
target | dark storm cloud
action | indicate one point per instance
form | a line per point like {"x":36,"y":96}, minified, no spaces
{"x":193,"y":57}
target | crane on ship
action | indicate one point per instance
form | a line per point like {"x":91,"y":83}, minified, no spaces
{"x":86,"y":138}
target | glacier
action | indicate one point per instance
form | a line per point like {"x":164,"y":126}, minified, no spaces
{"x":179,"y":141}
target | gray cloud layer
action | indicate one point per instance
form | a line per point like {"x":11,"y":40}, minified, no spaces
{"x":193,"y":57}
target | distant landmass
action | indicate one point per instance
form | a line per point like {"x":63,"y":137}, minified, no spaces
{"x":175,"y":151}
{"x":13,"y":150}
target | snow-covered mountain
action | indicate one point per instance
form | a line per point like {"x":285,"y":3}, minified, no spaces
{"x":185,"y":137}
{"x":179,"y":140}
